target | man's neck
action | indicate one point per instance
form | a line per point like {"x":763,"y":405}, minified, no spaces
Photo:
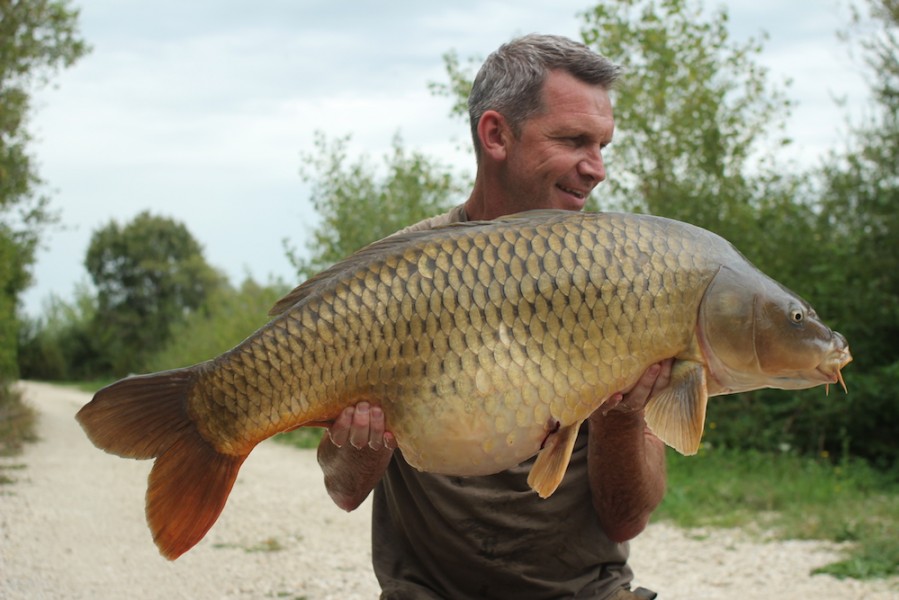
{"x":483,"y":204}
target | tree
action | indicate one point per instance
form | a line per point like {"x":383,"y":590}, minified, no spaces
{"x":59,"y":345}
{"x":859,"y":221}
{"x":359,"y":206}
{"x":37,"y":37}
{"x":12,"y":281}
{"x":691,"y":112}
{"x":149,"y":275}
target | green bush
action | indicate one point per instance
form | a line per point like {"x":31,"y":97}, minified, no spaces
{"x":227,"y":318}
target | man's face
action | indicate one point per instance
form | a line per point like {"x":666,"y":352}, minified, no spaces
{"x":557,"y":158}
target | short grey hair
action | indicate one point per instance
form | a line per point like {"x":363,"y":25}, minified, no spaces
{"x":511,"y":79}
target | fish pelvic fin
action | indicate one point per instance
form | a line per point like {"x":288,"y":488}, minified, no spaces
{"x":677,"y":414}
{"x":146,"y":416}
{"x":552,"y":461}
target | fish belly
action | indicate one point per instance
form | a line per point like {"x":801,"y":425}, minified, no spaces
{"x":463,"y":436}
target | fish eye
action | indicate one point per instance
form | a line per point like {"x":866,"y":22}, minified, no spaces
{"x":797,"y":316}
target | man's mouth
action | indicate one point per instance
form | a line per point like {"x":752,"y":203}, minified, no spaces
{"x":577,"y":193}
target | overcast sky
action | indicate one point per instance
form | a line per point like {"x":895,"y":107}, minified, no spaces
{"x":200,"y":110}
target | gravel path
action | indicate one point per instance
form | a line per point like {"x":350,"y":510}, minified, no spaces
{"x":72,"y":526}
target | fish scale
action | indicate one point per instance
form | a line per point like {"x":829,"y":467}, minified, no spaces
{"x":484,"y":343}
{"x":447,"y":320}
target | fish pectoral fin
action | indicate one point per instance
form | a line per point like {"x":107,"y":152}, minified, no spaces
{"x":677,"y":414}
{"x":552,"y":462}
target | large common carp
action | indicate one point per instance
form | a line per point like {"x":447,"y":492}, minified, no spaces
{"x":485,"y":343}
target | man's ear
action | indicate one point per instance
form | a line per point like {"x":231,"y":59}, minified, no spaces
{"x":495,"y":135}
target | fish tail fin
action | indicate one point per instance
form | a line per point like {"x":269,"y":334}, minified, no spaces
{"x":188,"y":487}
{"x":146,"y":416}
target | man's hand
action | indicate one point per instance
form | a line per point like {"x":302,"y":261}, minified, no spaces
{"x":633,"y":400}
{"x":361,"y":425}
{"x":356,"y":454}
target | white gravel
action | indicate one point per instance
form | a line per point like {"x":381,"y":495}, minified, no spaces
{"x":72,"y":526}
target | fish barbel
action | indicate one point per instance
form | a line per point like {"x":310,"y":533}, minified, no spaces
{"x":485,"y":343}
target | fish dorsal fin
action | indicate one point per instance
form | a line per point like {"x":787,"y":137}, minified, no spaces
{"x":391,"y":243}
{"x":677,"y":414}
{"x":552,"y":462}
{"x":353,"y":262}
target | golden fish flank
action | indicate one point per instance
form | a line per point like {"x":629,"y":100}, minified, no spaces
{"x":485,"y":343}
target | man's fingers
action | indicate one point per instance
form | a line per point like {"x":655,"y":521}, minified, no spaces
{"x":361,"y":425}
{"x":664,"y":376}
{"x":641,"y":391}
{"x":654,"y":379}
{"x":360,"y":430}
{"x":376,"y":428}
{"x":339,"y":431}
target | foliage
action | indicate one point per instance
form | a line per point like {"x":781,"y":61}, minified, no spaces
{"x":691,"y":111}
{"x":228,"y":316}
{"x":858,"y":217}
{"x":60,"y":345}
{"x":149,"y":274}
{"x":37,"y":38}
{"x":359,"y":206}
{"x":791,"y":497}
{"x":12,"y":280}
{"x":458,"y":85}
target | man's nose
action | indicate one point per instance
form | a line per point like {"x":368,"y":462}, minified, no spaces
{"x":592,"y":166}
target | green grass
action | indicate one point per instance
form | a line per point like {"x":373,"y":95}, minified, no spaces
{"x":793,"y":498}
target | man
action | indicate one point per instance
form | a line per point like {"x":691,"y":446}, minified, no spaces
{"x":541,"y":116}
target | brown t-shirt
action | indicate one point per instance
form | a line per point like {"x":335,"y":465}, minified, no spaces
{"x":435,"y":536}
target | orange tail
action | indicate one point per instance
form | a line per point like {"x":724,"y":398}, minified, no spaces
{"x":146,"y":417}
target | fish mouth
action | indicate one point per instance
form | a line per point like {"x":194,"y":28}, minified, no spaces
{"x":831,"y":367}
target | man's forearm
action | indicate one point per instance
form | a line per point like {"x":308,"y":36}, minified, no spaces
{"x":627,"y":472}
